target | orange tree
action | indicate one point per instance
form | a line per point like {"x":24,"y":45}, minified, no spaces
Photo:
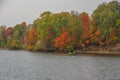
{"x":94,"y":35}
{"x":63,"y":42}
{"x":32,"y":38}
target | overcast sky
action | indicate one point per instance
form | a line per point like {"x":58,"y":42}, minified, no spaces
{"x":13,"y":12}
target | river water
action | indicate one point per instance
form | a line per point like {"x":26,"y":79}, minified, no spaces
{"x":22,"y":65}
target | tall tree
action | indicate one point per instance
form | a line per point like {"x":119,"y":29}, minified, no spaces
{"x":105,"y":17}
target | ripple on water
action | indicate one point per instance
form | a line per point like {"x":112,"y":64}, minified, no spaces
{"x":22,"y":65}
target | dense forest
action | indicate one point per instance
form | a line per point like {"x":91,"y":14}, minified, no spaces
{"x":67,"y":31}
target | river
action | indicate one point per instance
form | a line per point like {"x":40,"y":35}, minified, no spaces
{"x":23,"y":65}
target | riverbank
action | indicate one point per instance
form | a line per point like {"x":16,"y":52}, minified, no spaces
{"x":79,"y":52}
{"x":98,"y":53}
{"x":91,"y":50}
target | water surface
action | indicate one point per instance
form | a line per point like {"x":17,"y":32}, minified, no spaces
{"x":22,"y":65}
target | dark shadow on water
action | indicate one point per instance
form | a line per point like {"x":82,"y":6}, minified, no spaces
{"x":78,"y":54}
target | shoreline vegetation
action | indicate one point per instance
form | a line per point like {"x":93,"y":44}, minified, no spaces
{"x":69,"y":32}
{"x":78,"y":52}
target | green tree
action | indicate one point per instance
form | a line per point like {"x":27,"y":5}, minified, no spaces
{"x":105,"y":17}
{"x":20,"y":32}
{"x":2,"y":37}
{"x":75,"y":28}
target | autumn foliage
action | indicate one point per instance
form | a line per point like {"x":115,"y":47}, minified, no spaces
{"x":9,"y":32}
{"x":63,"y":41}
{"x":32,"y":38}
{"x":66,"y":30}
{"x":85,"y":25}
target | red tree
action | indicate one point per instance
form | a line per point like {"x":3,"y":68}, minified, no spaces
{"x":63,"y":41}
{"x":85,"y":25}
{"x":32,"y":37}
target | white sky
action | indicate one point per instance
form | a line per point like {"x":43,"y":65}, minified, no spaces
{"x":13,"y":12}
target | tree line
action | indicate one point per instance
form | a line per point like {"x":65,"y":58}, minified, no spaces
{"x":66,"y":30}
